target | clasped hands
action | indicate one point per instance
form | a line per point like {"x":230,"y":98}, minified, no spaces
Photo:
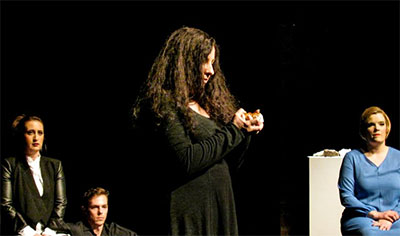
{"x":248,"y":123}
{"x":384,"y":220}
{"x":29,"y":231}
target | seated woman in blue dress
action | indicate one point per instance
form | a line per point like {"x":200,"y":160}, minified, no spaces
{"x":369,"y":181}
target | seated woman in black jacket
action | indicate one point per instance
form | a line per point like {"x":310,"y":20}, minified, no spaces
{"x":33,"y":194}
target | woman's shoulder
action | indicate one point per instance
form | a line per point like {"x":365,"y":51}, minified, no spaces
{"x":12,"y":160}
{"x":354,"y":154}
{"x":50,"y":159}
{"x":9,"y":160}
{"x":394,"y":151}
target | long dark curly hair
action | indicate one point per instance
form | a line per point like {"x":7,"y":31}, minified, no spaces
{"x":175,"y":79}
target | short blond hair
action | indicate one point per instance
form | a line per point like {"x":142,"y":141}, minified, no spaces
{"x":366,"y":114}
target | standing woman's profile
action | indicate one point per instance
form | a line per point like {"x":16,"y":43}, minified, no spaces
{"x":186,"y":110}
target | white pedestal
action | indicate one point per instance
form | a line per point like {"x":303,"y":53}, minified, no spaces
{"x":325,"y":207}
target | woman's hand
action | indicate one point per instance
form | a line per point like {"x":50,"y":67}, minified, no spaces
{"x":251,"y":125}
{"x":389,"y":215}
{"x":382,"y":224}
{"x":49,"y":232}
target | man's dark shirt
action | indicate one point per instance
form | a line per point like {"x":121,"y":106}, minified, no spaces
{"x":82,"y":229}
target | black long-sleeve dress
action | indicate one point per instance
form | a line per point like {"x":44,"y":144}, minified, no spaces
{"x":197,"y":175}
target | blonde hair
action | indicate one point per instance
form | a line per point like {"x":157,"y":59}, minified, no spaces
{"x":364,"y":117}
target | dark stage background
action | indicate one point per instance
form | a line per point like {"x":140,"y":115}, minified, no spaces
{"x":311,"y":67}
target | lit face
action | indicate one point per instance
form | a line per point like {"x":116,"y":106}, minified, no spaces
{"x":207,"y":69}
{"x":97,"y":210}
{"x":376,"y":128}
{"x":34,"y":136}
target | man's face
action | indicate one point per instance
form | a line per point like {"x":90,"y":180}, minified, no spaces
{"x":97,"y":210}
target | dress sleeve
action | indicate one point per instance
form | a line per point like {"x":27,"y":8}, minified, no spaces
{"x":193,"y":157}
{"x":236,"y":157}
{"x":397,"y":163}
{"x":346,"y":186}
{"x":7,"y":205}
{"x":397,"y":207}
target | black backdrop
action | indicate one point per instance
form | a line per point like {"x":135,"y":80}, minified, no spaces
{"x":311,"y":67}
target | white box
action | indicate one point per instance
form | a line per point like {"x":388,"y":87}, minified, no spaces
{"x":325,"y":208}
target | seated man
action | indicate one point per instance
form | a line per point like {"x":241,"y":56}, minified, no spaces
{"x":95,"y":209}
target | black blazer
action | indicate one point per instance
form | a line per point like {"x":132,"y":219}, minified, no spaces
{"x":20,"y":200}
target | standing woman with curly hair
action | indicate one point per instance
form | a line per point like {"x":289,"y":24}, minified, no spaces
{"x":188,"y":112}
{"x":33,"y":195}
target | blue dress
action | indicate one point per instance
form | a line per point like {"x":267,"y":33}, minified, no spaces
{"x":365,"y":187}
